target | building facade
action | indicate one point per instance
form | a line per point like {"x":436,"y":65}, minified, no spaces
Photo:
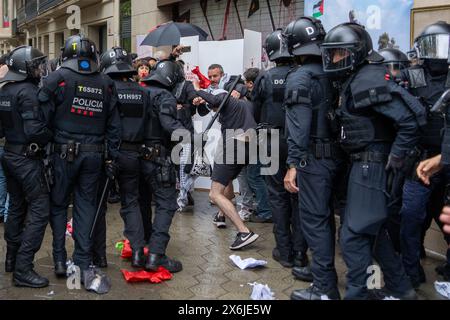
{"x":45,"y":24}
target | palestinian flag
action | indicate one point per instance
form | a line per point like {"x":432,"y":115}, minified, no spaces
{"x":318,"y":9}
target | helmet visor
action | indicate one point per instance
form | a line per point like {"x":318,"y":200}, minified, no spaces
{"x":434,"y":46}
{"x":336,"y":58}
{"x":396,"y":66}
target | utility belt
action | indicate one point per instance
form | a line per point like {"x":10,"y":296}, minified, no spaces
{"x":369,"y":156}
{"x":146,"y":152}
{"x":326,"y":150}
{"x":32,"y":150}
{"x":72,"y":149}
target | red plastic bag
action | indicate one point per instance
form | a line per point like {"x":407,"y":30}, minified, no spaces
{"x":69,"y":228}
{"x":203,"y":81}
{"x":143,"y":276}
{"x":127,"y":252}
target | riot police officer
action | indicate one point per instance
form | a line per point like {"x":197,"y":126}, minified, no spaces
{"x":81,"y":104}
{"x":379,"y":125}
{"x":427,"y":82}
{"x":313,"y":153}
{"x":268,"y":97}
{"x":395,"y":61}
{"x":159,"y":172}
{"x":135,"y":112}
{"x":25,"y":130}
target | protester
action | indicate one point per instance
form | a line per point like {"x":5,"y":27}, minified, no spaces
{"x":221,"y":80}
{"x":143,"y":69}
{"x":235,"y":114}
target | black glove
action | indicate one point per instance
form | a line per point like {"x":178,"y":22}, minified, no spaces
{"x":401,"y":82}
{"x":394,"y":177}
{"x":395,"y":163}
{"x":111,"y":169}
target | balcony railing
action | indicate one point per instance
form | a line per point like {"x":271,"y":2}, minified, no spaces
{"x":45,"y":5}
{"x":31,"y":9}
{"x":21,"y":16}
{"x":34,"y":8}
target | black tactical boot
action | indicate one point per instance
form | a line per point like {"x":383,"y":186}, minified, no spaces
{"x":29,"y":279}
{"x":138,"y":258}
{"x":10,"y":261}
{"x":301,"y":270}
{"x":286,"y":261}
{"x":60,"y":269}
{"x":302,"y":274}
{"x":154,"y":261}
{"x":314,"y":293}
{"x":386,"y":294}
{"x":100,"y":261}
{"x":301,"y":260}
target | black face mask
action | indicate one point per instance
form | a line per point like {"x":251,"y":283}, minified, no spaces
{"x":436,"y":67}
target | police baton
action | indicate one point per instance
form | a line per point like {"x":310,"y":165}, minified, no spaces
{"x":222,"y":104}
{"x":442,"y":103}
{"x":105,"y":189}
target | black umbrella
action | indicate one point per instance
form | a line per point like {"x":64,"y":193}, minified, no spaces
{"x":169,"y":34}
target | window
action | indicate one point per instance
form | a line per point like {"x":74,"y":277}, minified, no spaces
{"x":125,"y":24}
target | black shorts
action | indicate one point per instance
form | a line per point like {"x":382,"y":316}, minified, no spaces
{"x":226,"y":171}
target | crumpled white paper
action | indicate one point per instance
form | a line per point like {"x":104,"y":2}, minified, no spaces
{"x":71,"y":268}
{"x":247,"y":263}
{"x":261,"y":292}
{"x":443,"y":288}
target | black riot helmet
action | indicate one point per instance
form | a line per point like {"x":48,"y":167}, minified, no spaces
{"x":346,"y":47}
{"x":117,"y":61}
{"x":276,"y":46}
{"x":394,"y":59}
{"x":166,"y":73}
{"x":25,"y":62}
{"x":80,"y":55}
{"x":434,"y":42}
{"x":304,"y":36}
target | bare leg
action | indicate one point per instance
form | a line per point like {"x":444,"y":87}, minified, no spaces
{"x":229,"y":193}
{"x":217,"y":194}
